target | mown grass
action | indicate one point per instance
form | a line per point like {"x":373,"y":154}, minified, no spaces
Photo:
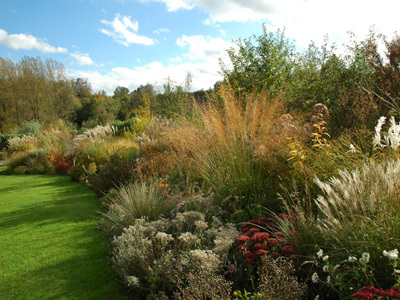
{"x":50,"y":247}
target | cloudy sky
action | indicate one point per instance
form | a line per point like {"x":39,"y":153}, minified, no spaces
{"x":132,"y":42}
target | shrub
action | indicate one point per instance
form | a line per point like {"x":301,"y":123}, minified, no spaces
{"x":161,"y":255}
{"x":119,"y":170}
{"x":277,"y":280}
{"x":203,"y":286}
{"x":61,"y":164}
{"x":28,"y":128}
{"x":30,"y":162}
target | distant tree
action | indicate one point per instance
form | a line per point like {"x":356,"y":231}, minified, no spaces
{"x":175,"y":100}
{"x":131,"y":103}
{"x":12,"y":110}
{"x":120,"y":92}
{"x":82,"y":88}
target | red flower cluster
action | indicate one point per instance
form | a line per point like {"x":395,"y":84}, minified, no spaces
{"x":255,"y":241}
{"x":368,"y":292}
{"x":61,"y":164}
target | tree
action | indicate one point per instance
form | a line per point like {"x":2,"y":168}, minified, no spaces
{"x":120,"y":92}
{"x":263,"y":62}
{"x":82,"y":88}
{"x":175,"y":99}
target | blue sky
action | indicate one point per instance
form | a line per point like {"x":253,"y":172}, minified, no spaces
{"x":134,"y":42}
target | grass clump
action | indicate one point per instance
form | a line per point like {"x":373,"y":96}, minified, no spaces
{"x":235,"y":148}
{"x":356,"y":219}
{"x":134,"y":201}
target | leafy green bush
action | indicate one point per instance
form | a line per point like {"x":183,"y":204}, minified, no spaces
{"x":28,"y":128}
{"x":115,"y":172}
{"x":30,"y":162}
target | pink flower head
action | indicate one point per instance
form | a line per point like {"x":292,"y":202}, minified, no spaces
{"x":281,"y":237}
{"x":251,"y":255}
{"x":362,"y":295}
{"x":248,"y":233}
{"x":259,"y":246}
{"x":253,"y":230}
{"x":245,"y":229}
{"x":261,"y":252}
{"x":273,"y":242}
{"x":279,"y":234}
{"x":242,"y":239}
{"x":259,"y":237}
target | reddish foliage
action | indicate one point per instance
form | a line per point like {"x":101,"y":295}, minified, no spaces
{"x":61,"y":164}
{"x":368,"y":292}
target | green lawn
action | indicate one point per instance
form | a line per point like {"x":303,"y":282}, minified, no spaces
{"x":49,"y":245}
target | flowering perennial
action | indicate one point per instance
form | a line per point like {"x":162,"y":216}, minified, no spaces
{"x":256,"y":242}
{"x":368,"y":292}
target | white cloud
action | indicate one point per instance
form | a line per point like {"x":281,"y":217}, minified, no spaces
{"x":161,"y":30}
{"x":124,"y":31}
{"x":303,"y":20}
{"x":204,"y":76}
{"x":27,"y":42}
{"x":204,"y":48}
{"x":312,"y":19}
{"x":202,"y":61}
{"x":177,"y":59}
{"x":82,"y":59}
{"x":174,"y":5}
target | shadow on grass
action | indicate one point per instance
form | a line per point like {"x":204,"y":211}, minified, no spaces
{"x":85,"y":276}
{"x":81,"y":270}
{"x":62,"y":201}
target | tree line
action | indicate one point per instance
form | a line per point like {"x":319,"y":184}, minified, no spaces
{"x":357,"y":87}
{"x":36,"y":90}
